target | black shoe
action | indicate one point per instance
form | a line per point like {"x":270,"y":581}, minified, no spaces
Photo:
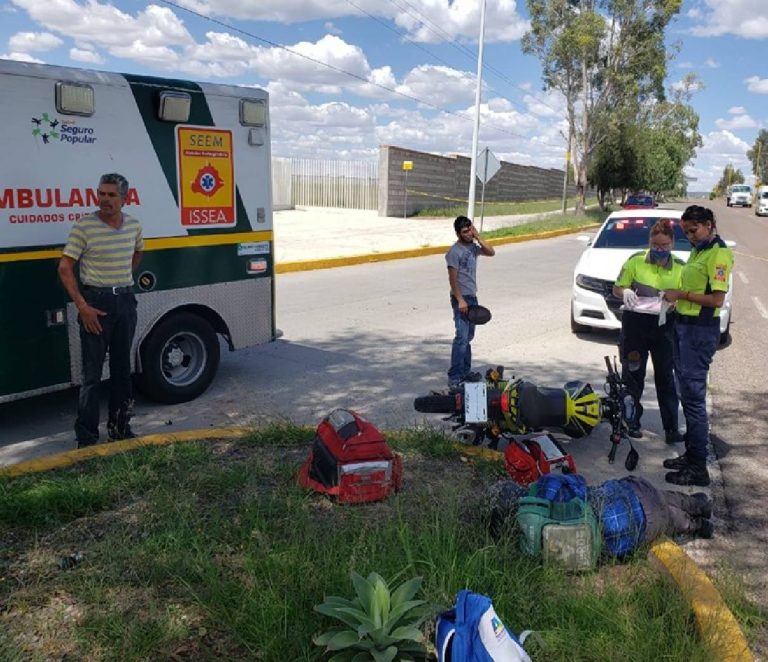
{"x":113,"y":434}
{"x":673,"y":437}
{"x":702,"y":505}
{"x":693,"y":474}
{"x":677,"y":463}
{"x":472,"y":377}
{"x":635,"y":433}
{"x":84,"y":444}
{"x":703,"y":528}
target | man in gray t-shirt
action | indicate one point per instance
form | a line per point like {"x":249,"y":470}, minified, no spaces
{"x":461,"y":260}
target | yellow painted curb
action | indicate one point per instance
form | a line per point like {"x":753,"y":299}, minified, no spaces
{"x":333,"y":262}
{"x":68,"y":458}
{"x":717,"y":625}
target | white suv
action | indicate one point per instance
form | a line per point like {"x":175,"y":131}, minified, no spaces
{"x":740,"y":194}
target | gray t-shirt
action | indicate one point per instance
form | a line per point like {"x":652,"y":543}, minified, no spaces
{"x":463,"y":258}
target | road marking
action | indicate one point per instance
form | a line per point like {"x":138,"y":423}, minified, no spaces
{"x":743,"y":277}
{"x":760,"y":307}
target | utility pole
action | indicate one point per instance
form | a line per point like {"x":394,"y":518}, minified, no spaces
{"x":475,"y":133}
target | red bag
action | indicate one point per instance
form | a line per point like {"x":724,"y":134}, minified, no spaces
{"x":350,"y":459}
{"x":526,"y":460}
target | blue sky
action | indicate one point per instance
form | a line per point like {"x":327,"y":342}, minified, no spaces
{"x":401,"y":72}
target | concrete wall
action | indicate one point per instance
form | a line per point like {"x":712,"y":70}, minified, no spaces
{"x":443,"y":181}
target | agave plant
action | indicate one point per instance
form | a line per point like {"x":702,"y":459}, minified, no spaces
{"x":379,"y":624}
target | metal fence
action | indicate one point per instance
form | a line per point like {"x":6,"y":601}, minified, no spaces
{"x":325,"y":183}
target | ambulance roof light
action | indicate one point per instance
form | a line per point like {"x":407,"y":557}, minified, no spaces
{"x":174,"y":106}
{"x":74,"y":99}
{"x":253,"y":112}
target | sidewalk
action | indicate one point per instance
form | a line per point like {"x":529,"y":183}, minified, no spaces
{"x":318,"y":233}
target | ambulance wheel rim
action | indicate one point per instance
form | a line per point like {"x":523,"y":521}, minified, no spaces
{"x":183,"y":358}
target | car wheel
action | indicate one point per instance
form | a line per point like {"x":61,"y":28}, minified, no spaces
{"x":179,"y":359}
{"x":576,"y":327}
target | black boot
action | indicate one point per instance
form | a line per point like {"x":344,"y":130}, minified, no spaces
{"x":118,"y":425}
{"x":635,"y":432}
{"x":692,"y":474}
{"x":703,"y":528}
{"x":700,"y":505}
{"x":677,"y":463}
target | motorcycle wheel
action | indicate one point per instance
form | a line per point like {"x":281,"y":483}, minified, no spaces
{"x":435,"y":404}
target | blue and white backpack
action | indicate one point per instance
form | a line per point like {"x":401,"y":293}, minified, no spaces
{"x":472,"y":632}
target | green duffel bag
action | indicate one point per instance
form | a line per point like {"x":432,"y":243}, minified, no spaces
{"x":567,"y":533}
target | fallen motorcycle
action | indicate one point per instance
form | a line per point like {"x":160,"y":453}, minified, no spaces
{"x":498,"y":411}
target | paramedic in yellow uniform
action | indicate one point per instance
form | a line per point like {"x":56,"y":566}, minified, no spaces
{"x":643,"y":278}
{"x":697,"y":333}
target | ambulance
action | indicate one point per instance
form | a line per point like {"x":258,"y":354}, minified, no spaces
{"x":197,"y":158}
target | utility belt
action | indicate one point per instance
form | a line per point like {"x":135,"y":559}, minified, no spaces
{"x":110,"y":289}
{"x":697,"y":320}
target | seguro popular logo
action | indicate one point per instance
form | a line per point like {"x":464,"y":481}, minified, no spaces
{"x":50,"y":129}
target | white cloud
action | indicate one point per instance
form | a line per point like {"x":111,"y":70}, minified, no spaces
{"x":744,"y":18}
{"x":21,"y":57}
{"x":28,"y":42}
{"x":105,"y":25}
{"x":85,"y":55}
{"x":442,"y":86}
{"x":431,"y":21}
{"x":685,"y":85}
{"x":719,"y":148}
{"x":738,"y":122}
{"x":711,"y":63}
{"x":757,"y":84}
{"x":737,"y":110}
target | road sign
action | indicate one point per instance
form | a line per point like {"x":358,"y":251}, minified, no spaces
{"x":488,"y":165}
{"x":407,"y":165}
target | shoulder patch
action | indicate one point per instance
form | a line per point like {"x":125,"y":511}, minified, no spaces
{"x":720,"y":271}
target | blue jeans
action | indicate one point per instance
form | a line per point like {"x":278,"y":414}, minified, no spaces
{"x":118,"y":327}
{"x":461,"y":351}
{"x":694,"y":348}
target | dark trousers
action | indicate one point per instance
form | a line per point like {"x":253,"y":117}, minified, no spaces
{"x":642,"y":336}
{"x":694,"y":349}
{"x":461,"y":350}
{"x":118,"y":327}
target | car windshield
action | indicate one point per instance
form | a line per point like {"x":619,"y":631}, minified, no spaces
{"x":633,"y":232}
{"x":741,"y":189}
{"x":644,"y":200}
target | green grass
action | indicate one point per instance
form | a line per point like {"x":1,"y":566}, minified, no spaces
{"x":502,"y":208}
{"x":592,"y":218}
{"x":211,"y":551}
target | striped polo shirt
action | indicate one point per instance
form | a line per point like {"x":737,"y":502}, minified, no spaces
{"x":105,"y":253}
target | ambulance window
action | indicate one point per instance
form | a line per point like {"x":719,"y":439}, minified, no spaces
{"x":253,"y":113}
{"x":174,"y":106}
{"x":74,"y":99}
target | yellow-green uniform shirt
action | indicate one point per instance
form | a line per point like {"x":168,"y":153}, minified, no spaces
{"x":708,"y":270}
{"x":648,"y":278}
{"x":105,"y":253}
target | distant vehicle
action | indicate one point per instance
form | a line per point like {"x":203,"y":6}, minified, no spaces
{"x":623,"y":234}
{"x":739,"y":194}
{"x":761,"y":201}
{"x":639,"y":202}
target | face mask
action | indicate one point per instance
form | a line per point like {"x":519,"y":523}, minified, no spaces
{"x":659,"y":255}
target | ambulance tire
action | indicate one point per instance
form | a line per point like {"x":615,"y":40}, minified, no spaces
{"x":179,"y":359}
{"x":435,"y":404}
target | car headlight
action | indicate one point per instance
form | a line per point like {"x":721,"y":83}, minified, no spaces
{"x":591,"y":283}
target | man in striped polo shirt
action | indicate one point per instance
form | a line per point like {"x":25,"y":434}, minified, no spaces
{"x":107,"y":245}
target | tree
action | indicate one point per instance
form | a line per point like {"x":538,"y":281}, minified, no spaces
{"x":603,"y":56}
{"x":730,"y":176}
{"x":758,"y":155}
{"x":649,"y":147}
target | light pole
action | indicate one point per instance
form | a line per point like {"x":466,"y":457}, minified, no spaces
{"x":473,"y":166}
